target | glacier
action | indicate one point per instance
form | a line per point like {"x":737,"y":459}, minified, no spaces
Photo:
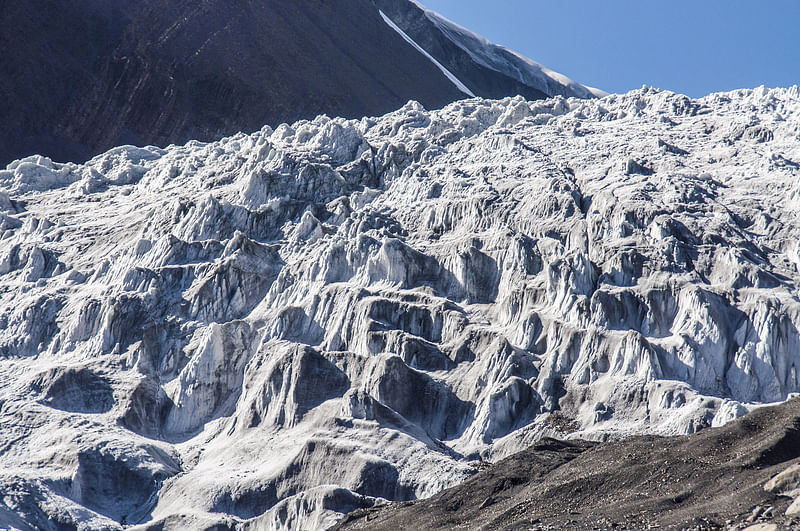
{"x":272,"y":330}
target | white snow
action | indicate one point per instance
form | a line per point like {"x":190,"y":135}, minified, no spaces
{"x":274,"y":329}
{"x":449,"y":75}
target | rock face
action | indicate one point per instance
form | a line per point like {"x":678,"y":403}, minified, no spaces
{"x":77,"y":79}
{"x":278,"y":328}
{"x":486,"y":69}
{"x":707,"y":480}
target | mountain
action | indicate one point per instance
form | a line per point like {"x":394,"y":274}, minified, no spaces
{"x":278,"y":328}
{"x":745,"y":474}
{"x":488,"y":70}
{"x":79,"y":78}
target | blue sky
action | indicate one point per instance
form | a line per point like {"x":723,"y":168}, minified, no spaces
{"x":691,"y":46}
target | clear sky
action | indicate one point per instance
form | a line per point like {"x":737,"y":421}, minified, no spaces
{"x":691,"y":46}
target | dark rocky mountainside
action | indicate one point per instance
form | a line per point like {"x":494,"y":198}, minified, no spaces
{"x":714,"y":479}
{"x":489,"y":70}
{"x":77,"y":78}
{"x":80,"y":78}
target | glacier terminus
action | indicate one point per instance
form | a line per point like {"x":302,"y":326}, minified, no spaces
{"x":272,"y":330}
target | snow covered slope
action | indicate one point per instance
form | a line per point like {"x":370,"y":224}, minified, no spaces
{"x":274,"y":329}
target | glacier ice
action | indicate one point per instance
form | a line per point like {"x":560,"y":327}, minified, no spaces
{"x":274,"y":329}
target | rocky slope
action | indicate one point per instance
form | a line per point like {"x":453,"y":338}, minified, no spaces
{"x":79,"y":78}
{"x":275,"y":329}
{"x":487,"y":69}
{"x":731,"y":478}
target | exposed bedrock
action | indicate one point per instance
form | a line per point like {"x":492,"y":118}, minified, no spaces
{"x":275,"y":329}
